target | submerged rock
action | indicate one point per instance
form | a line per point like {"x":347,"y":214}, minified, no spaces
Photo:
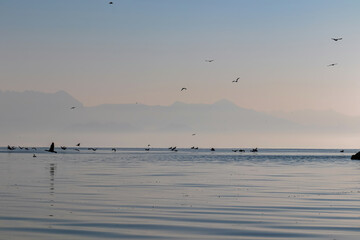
{"x":356,"y":156}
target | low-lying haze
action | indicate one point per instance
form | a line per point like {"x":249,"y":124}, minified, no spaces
{"x":35,"y":118}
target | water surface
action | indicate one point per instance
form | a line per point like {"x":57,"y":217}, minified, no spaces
{"x":189,"y":194}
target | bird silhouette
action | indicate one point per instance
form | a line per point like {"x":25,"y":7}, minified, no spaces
{"x":193,"y":134}
{"x":331,"y":65}
{"x":212,"y":149}
{"x":94,"y":149}
{"x":336,"y":39}
{"x":114,"y":149}
{"x":52,"y":148}
{"x":63,"y":147}
{"x":72,"y":108}
{"x":209,"y":60}
{"x":76,"y":149}
{"x":111,"y":3}
{"x":78,"y":144}
{"x":236,"y":80}
{"x":11,"y":148}
{"x":34,"y":155}
{"x":183,"y":89}
{"x":254,"y":150}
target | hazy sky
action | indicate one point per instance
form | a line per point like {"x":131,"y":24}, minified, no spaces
{"x":147,"y":50}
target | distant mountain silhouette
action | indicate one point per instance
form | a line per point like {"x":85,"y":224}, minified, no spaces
{"x":325,"y":120}
{"x":32,"y":113}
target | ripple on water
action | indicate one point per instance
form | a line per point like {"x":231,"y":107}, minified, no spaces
{"x":134,"y":195}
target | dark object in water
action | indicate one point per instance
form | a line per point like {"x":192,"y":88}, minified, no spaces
{"x":212,"y":149}
{"x":11,"y":148}
{"x":52,"y":148}
{"x":254,"y":150}
{"x":63,"y":147}
{"x":114,"y":149}
{"x":341,"y":150}
{"x":34,"y":155}
{"x":356,"y":156}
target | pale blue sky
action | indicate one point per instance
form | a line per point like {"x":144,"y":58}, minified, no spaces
{"x":147,"y":50}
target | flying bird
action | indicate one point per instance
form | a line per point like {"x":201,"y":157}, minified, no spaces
{"x":209,"y":60}
{"x":78,"y":144}
{"x":72,"y":108}
{"x":52,"y":148}
{"x":331,"y":65}
{"x":94,"y":149}
{"x":236,"y":80}
{"x":183,"y":89}
{"x":336,"y":39}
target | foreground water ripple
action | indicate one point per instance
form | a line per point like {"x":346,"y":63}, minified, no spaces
{"x":130,"y":194}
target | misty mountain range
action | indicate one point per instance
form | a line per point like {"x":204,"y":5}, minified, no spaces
{"x":31,"y":111}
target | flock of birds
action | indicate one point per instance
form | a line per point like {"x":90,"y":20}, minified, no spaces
{"x":174,"y":149}
{"x":52,"y":148}
{"x":334,"y":39}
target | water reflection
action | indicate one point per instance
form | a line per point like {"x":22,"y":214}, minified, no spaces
{"x":52,"y":170}
{"x":52,"y":178}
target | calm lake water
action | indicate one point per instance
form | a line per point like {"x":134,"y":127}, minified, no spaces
{"x":189,"y":194}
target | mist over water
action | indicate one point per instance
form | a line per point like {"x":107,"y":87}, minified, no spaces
{"x":133,"y":194}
